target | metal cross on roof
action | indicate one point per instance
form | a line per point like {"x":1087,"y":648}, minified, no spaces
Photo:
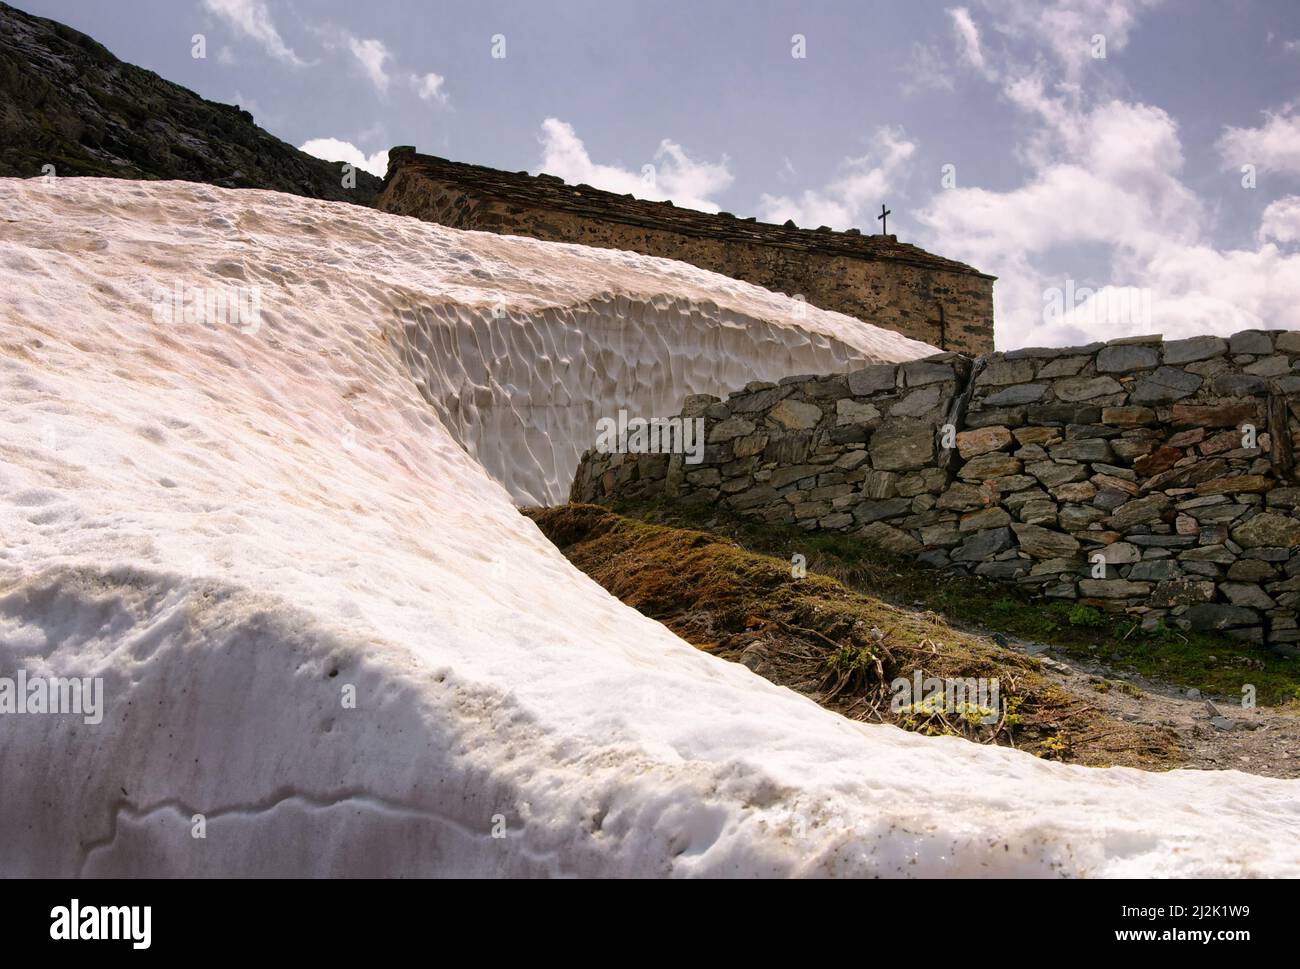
{"x":883,"y":217}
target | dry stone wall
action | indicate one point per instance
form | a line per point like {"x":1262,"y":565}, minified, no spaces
{"x":1141,"y":475}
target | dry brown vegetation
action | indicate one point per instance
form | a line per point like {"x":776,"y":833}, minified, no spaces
{"x":841,"y":647}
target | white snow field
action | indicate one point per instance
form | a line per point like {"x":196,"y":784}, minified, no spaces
{"x":240,"y":531}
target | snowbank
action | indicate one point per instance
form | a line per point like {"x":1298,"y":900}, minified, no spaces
{"x":240,"y":531}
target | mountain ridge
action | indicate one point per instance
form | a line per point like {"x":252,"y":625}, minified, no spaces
{"x":67,"y":101}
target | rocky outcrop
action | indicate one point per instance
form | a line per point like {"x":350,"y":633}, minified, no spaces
{"x":1140,"y":475}
{"x":66,"y":101}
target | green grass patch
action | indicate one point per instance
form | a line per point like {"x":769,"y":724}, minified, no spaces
{"x":847,"y":649}
{"x":1213,"y":664}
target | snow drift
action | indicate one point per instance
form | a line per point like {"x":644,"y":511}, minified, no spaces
{"x":328,"y":643}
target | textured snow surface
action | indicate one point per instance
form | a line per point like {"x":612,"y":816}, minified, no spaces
{"x":518,"y":345}
{"x":236,"y":529}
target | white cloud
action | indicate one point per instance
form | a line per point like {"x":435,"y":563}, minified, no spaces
{"x":252,"y":19}
{"x":1104,"y":204}
{"x":332,"y":149}
{"x":429,"y":87}
{"x":1273,"y":146}
{"x":674,"y":174}
{"x":379,"y":65}
{"x":926,"y":71}
{"x":1281,"y":220}
{"x":371,"y":54}
{"x":1065,"y":28}
{"x":968,"y":38}
{"x":1133,"y":218}
{"x":841,"y":203}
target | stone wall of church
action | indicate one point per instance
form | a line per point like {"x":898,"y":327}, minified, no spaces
{"x":871,"y":277}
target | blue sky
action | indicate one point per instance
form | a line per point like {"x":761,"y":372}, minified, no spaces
{"x":1097,"y":176}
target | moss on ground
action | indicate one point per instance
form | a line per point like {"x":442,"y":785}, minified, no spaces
{"x":845,"y":648}
{"x":1214,"y":664}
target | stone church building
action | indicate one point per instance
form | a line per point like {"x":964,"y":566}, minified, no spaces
{"x":874,"y":278}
